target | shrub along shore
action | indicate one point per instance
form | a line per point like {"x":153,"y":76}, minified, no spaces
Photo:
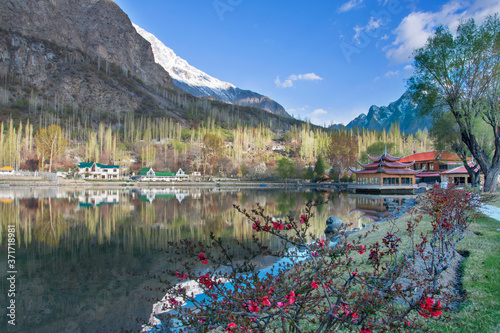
{"x":476,"y":277}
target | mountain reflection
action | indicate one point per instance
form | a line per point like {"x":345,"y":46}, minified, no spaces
{"x":75,"y":249}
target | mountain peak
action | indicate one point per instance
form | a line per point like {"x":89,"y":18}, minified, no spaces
{"x":200,"y":84}
{"x":404,"y":110}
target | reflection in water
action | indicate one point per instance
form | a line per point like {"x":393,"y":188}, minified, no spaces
{"x":77,"y":248}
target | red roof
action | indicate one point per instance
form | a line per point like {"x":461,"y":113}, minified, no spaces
{"x":441,"y":155}
{"x":428,"y":174}
{"x":459,"y":170}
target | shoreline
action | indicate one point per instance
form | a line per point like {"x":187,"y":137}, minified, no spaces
{"x":36,"y":183}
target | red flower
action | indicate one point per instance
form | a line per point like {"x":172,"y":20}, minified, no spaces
{"x":365,"y":330}
{"x":253,"y":307}
{"x":363,"y":249}
{"x":202,"y":258}
{"x":279,"y":226}
{"x":314,"y":285}
{"x":205,"y":280}
{"x":230,"y":327}
{"x":430,"y":308}
{"x":291,"y":298}
{"x":265,"y":301}
{"x":181,"y":277}
{"x":303,"y":218}
{"x":322,"y":243}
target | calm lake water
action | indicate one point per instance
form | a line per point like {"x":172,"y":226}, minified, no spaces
{"x":80,"y":254}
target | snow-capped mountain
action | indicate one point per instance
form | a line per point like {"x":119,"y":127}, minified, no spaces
{"x":404,"y":110}
{"x":200,"y":84}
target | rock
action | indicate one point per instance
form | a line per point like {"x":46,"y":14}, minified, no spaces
{"x":334,"y":224}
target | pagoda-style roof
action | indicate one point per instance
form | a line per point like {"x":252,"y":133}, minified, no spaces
{"x":376,"y":165}
{"x":385,"y":157}
{"x":387,"y":164}
{"x":389,"y":171}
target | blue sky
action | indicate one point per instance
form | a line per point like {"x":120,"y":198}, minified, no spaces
{"x":325,"y":60}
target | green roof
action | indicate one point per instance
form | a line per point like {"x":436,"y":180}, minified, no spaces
{"x":102,"y":166}
{"x":165,"y":174}
{"x":85,"y":165}
{"x":144,"y":170}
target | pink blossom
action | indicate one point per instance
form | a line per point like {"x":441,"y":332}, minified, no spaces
{"x":430,"y":307}
{"x":202,"y":258}
{"x":181,"y":277}
{"x":303,"y":218}
{"x":291,"y":298}
{"x":363,"y":249}
{"x":314,"y":285}
{"x":266,"y":301}
{"x":205,"y":280}
{"x":254,"y":307}
{"x":280,"y":304}
{"x":322,"y":243}
{"x":279,"y":226}
{"x":231,"y":326}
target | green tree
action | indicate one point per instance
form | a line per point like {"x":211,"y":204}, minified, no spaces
{"x":285,"y":168}
{"x":50,"y":144}
{"x":320,"y":167}
{"x":461,"y":75}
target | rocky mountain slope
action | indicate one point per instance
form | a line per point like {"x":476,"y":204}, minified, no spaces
{"x":404,"y":111}
{"x":200,"y":84}
{"x":99,"y":28}
{"x":84,"y":59}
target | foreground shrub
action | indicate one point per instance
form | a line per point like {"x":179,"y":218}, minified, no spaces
{"x":318,"y":285}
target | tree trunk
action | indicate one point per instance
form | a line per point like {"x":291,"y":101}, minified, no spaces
{"x":490,"y":171}
{"x":51,"y":154}
{"x":491,"y":179}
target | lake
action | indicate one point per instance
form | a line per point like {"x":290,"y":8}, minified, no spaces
{"x":81,"y":254}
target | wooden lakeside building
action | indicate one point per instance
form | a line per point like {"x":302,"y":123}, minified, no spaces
{"x":386,"y":174}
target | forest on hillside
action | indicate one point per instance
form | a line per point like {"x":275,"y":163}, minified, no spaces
{"x":162,"y":143}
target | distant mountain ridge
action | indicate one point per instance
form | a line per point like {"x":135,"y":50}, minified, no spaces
{"x":404,"y":110}
{"x":200,"y":84}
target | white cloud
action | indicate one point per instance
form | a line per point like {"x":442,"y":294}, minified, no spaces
{"x":319,"y":111}
{"x":349,"y":5}
{"x":390,"y":74}
{"x":408,"y":68}
{"x":296,"y":77}
{"x":372,"y":28}
{"x":417,"y":27}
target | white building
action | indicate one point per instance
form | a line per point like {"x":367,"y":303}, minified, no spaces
{"x":95,"y":170}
